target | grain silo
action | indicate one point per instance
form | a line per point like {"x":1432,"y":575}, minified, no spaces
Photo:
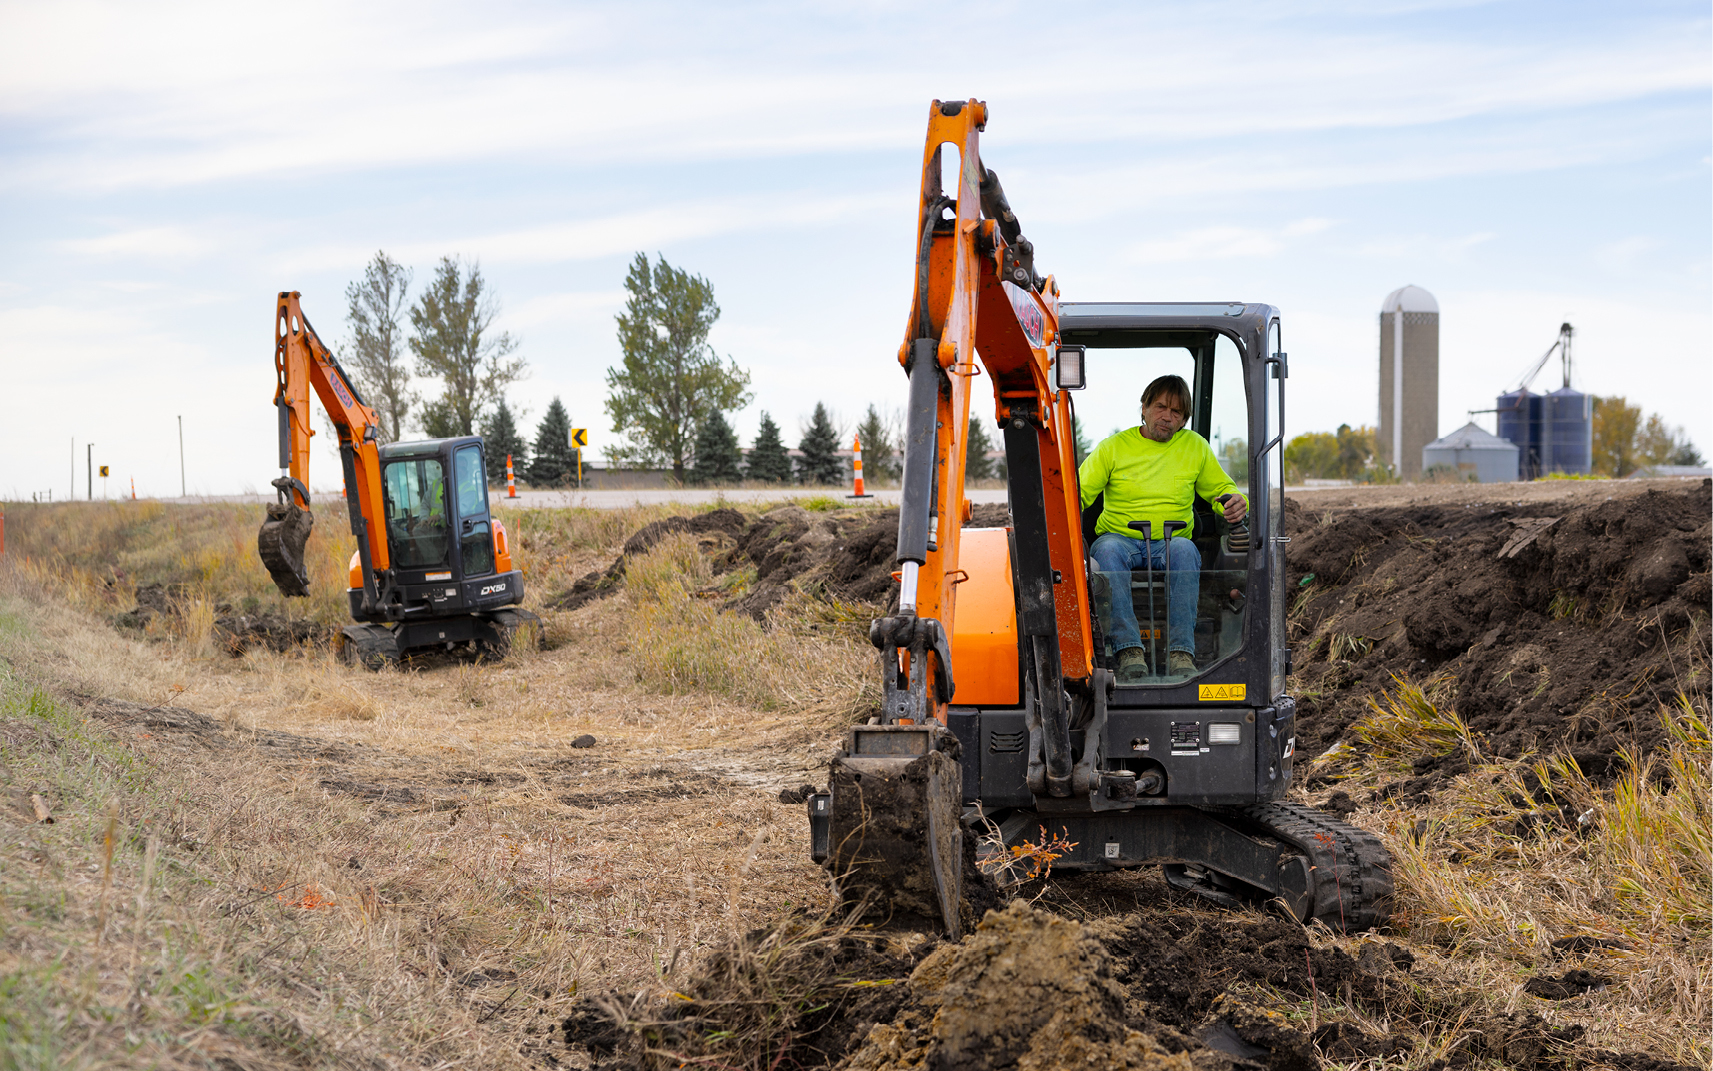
{"x":1409,"y":378}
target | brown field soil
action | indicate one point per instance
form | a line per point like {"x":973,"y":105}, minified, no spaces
{"x":262,"y":858}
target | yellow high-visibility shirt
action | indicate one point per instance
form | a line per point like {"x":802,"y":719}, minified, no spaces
{"x":1148,"y":481}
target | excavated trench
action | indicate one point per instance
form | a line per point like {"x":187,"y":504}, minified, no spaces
{"x":1551,"y":627}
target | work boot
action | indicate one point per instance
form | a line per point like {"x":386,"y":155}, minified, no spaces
{"x":1132,"y":664}
{"x":1180,"y":664}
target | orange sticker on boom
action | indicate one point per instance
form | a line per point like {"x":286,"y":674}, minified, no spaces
{"x":1230,"y":693}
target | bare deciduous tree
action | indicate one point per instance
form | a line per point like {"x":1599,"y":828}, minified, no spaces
{"x":375,"y":313}
{"x":451,"y":339}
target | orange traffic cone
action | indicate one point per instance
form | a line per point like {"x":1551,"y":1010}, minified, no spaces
{"x":856,"y":449}
{"x":511,"y":481}
{"x":133,"y":489}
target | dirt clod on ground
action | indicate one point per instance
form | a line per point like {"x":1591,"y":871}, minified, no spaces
{"x":236,"y":632}
{"x":1553,"y":625}
{"x":1572,"y":983}
{"x":850,"y":554}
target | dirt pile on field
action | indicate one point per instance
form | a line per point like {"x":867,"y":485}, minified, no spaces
{"x":1546,"y":625}
{"x":846,"y":554}
{"x":1164,"y":988}
{"x":1034,"y":991}
{"x":234,"y":630}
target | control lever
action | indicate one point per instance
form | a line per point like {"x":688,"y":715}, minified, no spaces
{"x":1147,"y":530}
{"x":1237,"y":540}
{"x":1171,"y":527}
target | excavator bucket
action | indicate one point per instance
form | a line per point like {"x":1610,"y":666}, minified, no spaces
{"x":281,"y":542}
{"x":893,"y":836}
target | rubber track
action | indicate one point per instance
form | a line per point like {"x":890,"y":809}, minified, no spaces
{"x":1351,"y":869}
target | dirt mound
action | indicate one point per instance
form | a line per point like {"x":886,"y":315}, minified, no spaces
{"x":1556,"y":625}
{"x":846,"y":554}
{"x":1027,"y":990}
{"x":1161,"y":988}
{"x":600,"y":584}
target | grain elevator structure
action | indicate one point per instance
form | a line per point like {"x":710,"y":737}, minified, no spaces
{"x":1409,"y":379}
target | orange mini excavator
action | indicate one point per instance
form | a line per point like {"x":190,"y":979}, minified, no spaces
{"x":432,"y":567}
{"x":1006,"y":716}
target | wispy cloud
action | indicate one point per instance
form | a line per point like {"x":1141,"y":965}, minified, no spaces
{"x":149,"y":243}
{"x":223,"y":93}
{"x":1223,"y":243}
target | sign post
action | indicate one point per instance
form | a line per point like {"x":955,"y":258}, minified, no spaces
{"x":579,"y":440}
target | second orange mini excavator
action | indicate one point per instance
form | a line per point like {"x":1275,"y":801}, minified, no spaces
{"x":432,"y":566}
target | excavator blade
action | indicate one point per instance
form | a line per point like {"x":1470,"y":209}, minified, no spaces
{"x":894,"y":837}
{"x":281,"y":542}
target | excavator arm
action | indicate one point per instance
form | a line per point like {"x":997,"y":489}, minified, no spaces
{"x":894,"y":795}
{"x":302,"y":363}
{"x":980,"y":307}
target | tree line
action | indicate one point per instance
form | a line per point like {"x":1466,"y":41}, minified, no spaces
{"x":669,"y":399}
{"x":451,"y":336}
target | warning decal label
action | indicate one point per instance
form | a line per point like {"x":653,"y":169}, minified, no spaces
{"x":1230,"y":693}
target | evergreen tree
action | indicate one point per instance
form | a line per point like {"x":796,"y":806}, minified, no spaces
{"x":717,"y":454}
{"x":500,"y":436}
{"x":820,"y":463}
{"x":878,"y":461}
{"x":977,"y":465}
{"x":553,"y":461}
{"x":769,"y":461}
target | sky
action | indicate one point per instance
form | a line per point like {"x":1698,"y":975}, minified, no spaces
{"x":170,"y":167}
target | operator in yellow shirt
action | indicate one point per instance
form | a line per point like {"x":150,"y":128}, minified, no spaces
{"x":1154,"y":473}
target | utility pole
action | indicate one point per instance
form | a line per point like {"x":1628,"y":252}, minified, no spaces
{"x":89,"y":472}
{"x":182,"y":493}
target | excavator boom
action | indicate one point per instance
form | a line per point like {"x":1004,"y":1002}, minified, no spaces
{"x":302,"y":363}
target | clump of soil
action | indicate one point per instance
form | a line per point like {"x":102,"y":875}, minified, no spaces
{"x":847,"y":554}
{"x":1558,"y":626}
{"x":1028,"y":990}
{"x":237,"y":632}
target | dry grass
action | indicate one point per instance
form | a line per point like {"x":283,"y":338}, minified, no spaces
{"x":518,"y":872}
{"x":681,"y":642}
{"x":1514,"y":855}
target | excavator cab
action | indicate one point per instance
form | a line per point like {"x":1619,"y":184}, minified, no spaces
{"x":450,"y":579}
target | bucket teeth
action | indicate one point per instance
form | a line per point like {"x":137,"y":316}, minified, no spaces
{"x":281,"y":542}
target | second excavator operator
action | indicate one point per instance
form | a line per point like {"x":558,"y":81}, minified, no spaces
{"x":1154,"y":473}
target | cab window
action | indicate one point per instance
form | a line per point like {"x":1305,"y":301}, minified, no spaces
{"x":417,"y":529}
{"x":472,"y":482}
{"x":1192,"y":602}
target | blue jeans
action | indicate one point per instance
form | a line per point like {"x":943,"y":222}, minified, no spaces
{"x":1120,"y":554}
